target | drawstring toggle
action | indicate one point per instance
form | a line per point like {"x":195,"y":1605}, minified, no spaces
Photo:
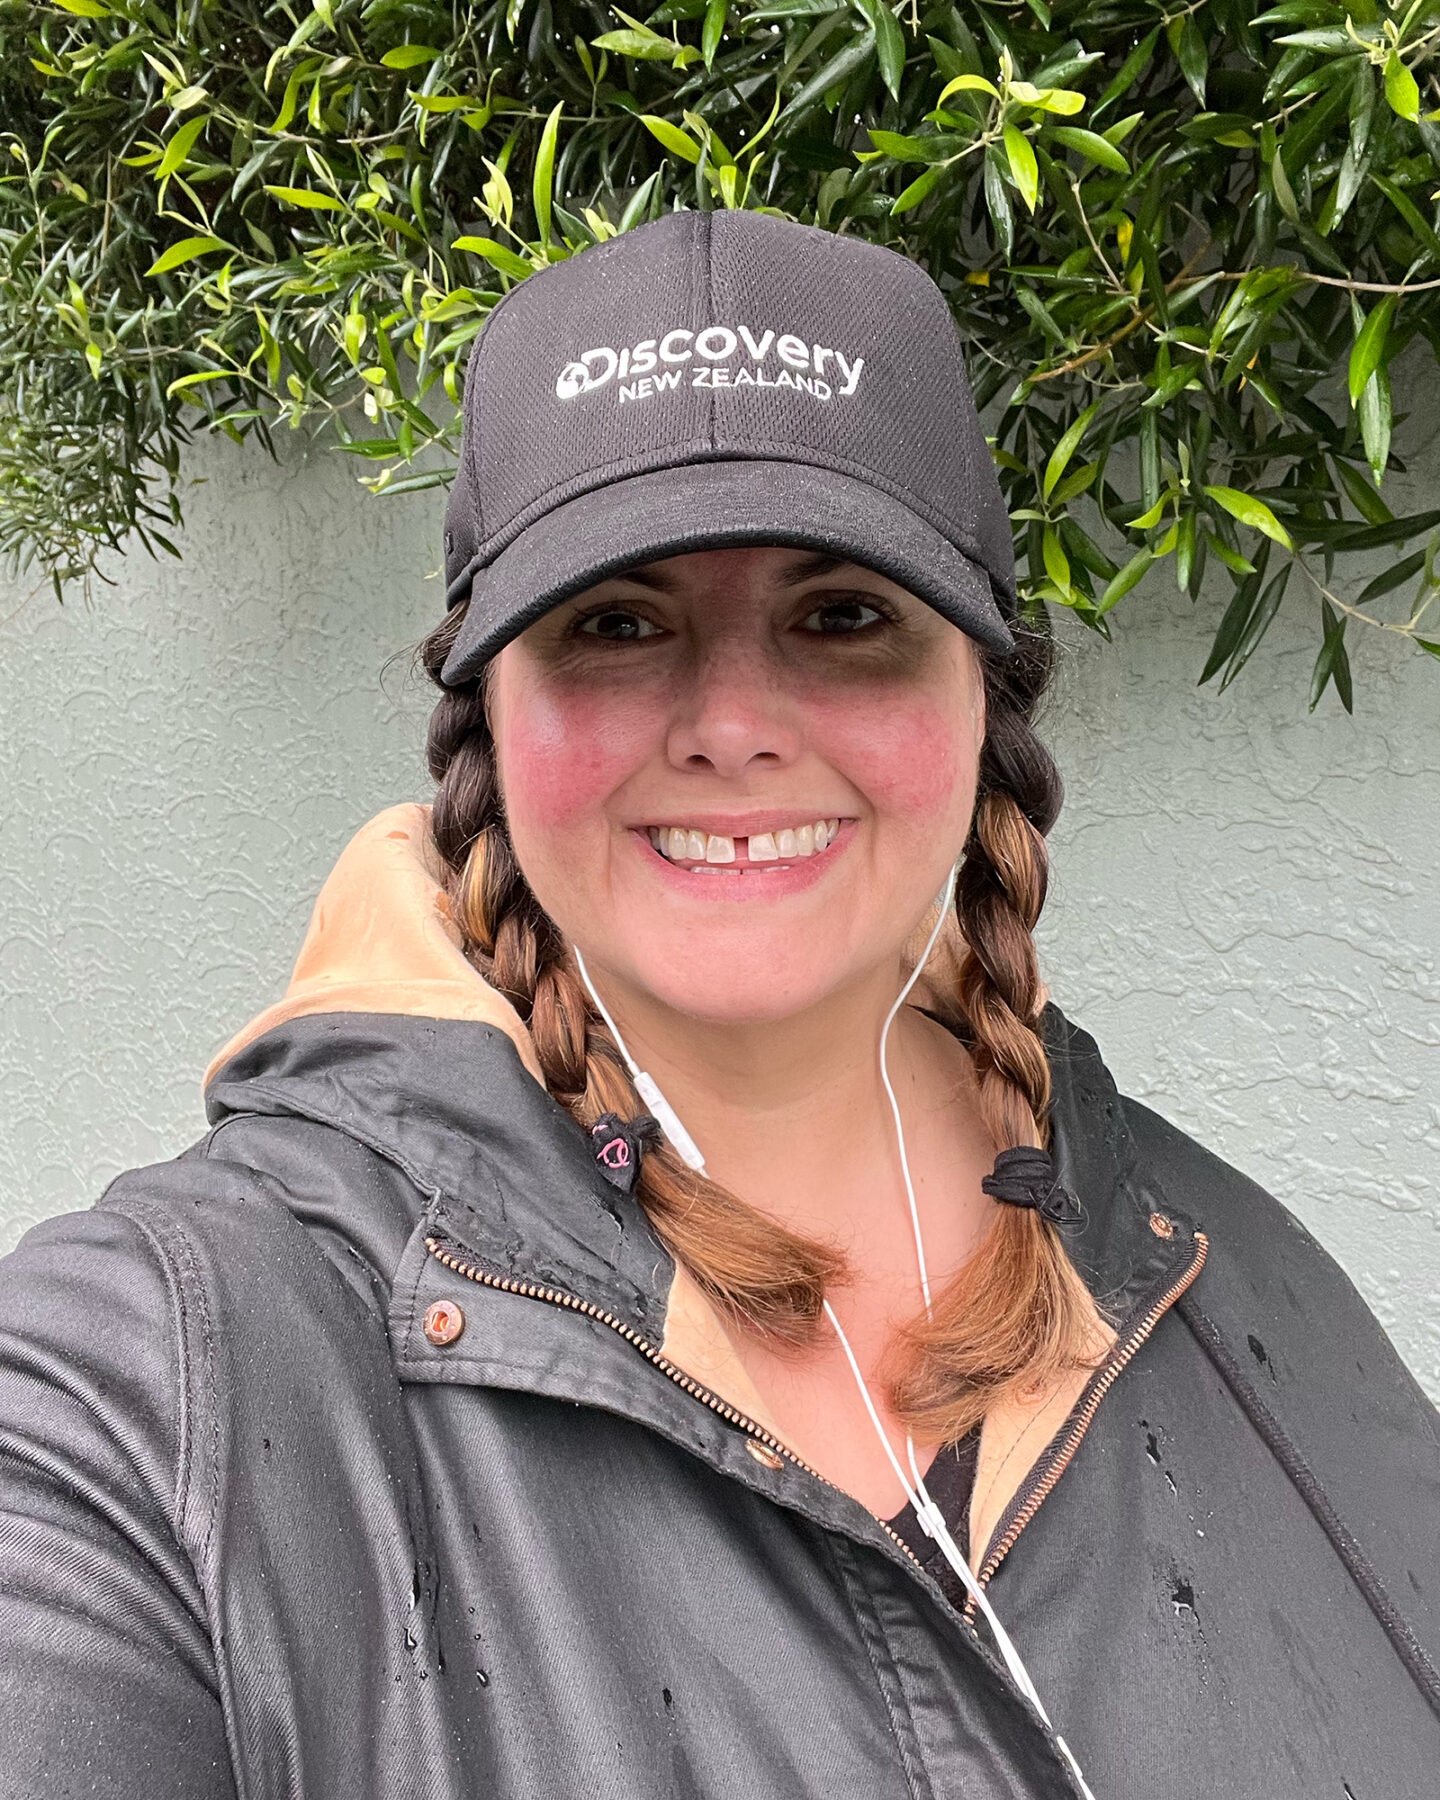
{"x":619,"y":1147}
{"x":1027,"y":1176}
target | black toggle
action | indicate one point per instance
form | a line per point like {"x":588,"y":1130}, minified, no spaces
{"x":1026,"y":1176}
{"x":620,"y":1146}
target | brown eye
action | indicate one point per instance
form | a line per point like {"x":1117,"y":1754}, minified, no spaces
{"x":617,"y":626}
{"x":838,"y":617}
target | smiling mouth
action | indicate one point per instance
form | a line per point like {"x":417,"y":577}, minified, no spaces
{"x":708,"y":852}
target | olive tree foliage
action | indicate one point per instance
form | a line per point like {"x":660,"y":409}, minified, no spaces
{"x":1186,"y":245}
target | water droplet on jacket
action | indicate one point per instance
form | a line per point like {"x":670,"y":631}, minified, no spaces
{"x":482,"y":1678}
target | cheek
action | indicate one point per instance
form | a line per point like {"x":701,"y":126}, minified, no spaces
{"x":913,"y":759}
{"x":563,"y":754}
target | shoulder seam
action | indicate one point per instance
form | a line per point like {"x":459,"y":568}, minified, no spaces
{"x":1342,"y":1540}
{"x":177,"y":1261}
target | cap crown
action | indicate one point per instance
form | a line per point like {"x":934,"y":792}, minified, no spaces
{"x":708,"y":336}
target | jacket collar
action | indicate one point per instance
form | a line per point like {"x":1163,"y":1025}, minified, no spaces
{"x":388,"y":1034}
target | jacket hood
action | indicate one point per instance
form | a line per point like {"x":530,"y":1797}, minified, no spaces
{"x":381,"y":939}
{"x":388,"y":1034}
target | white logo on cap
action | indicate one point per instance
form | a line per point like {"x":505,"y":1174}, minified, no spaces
{"x":722,"y":356}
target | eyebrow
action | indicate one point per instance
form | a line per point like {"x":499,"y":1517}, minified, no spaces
{"x":804,"y":568}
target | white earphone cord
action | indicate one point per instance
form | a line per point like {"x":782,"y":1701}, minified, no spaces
{"x":929,"y":1515}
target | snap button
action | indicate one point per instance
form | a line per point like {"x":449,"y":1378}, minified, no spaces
{"x":764,"y":1455}
{"x":1161,"y":1226}
{"x":444,"y":1321}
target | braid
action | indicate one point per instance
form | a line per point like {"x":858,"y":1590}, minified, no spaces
{"x":759,"y":1274}
{"x":1017,"y":1315}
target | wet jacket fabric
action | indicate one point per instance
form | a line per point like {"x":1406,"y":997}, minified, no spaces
{"x":264,"y":1534}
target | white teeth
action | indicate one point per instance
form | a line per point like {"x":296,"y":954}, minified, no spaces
{"x":679,"y":843}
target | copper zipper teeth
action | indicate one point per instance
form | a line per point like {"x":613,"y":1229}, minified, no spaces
{"x":1082,"y":1424}
{"x":732,"y":1416}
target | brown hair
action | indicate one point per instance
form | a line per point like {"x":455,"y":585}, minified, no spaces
{"x":1017,"y":1315}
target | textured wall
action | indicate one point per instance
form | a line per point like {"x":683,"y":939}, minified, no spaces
{"x":1244,"y":907}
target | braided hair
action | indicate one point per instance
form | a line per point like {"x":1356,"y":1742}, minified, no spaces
{"x":1017,"y":1314}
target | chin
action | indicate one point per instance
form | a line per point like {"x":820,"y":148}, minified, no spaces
{"x":743,"y":979}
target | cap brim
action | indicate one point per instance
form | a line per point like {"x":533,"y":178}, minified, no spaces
{"x":713,"y":506}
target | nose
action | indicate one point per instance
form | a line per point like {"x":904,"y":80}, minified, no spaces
{"x":733,"y":713}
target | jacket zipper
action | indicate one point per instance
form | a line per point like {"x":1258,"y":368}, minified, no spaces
{"x":1041,"y":1484}
{"x":732,"y":1415}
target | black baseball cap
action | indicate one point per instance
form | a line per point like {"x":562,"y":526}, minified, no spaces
{"x":718,"y":379}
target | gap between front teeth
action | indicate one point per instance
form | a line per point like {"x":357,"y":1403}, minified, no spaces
{"x":678,"y":843}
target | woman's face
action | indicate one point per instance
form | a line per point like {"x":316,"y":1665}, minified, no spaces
{"x":738,"y":778}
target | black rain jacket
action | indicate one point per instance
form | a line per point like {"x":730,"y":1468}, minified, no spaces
{"x":263,"y":1535}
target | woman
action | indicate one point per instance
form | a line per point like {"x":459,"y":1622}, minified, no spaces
{"x":662,"y":1308}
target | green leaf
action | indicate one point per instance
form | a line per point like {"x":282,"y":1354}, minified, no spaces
{"x":85,"y":9}
{"x":1188,"y":44}
{"x":997,"y":201}
{"x":1284,"y":193}
{"x":410,"y":56}
{"x":671,"y":136}
{"x":1363,"y":497}
{"x":1375,"y":422}
{"x":1401,"y":88}
{"x":307,"y":197}
{"x":185,"y":251}
{"x":889,"y":41}
{"x":1149,"y":519}
{"x":1129,"y":577}
{"x":188,"y":381}
{"x":1426,"y":644}
{"x":1091,"y":144}
{"x":1386,"y":583}
{"x":1333,"y":662}
{"x":716,"y":14}
{"x":179,"y":148}
{"x":840,"y":68}
{"x":1057,"y":564}
{"x":644,"y":47}
{"x":1369,"y":347}
{"x":1250,"y":511}
{"x":1022,"y":165}
{"x":1257,"y":625}
{"x":1130,"y":71}
{"x":966,"y":84}
{"x":917,"y":149}
{"x":917,"y":190}
{"x":1237,"y":616}
{"x":1055,"y":100}
{"x":1066,"y":448}
{"x":543,"y":179}
{"x":496,"y":255}
{"x":1409,"y":212}
{"x":639,"y":202}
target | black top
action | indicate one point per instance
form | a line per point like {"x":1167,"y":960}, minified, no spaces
{"x":949,"y":1480}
